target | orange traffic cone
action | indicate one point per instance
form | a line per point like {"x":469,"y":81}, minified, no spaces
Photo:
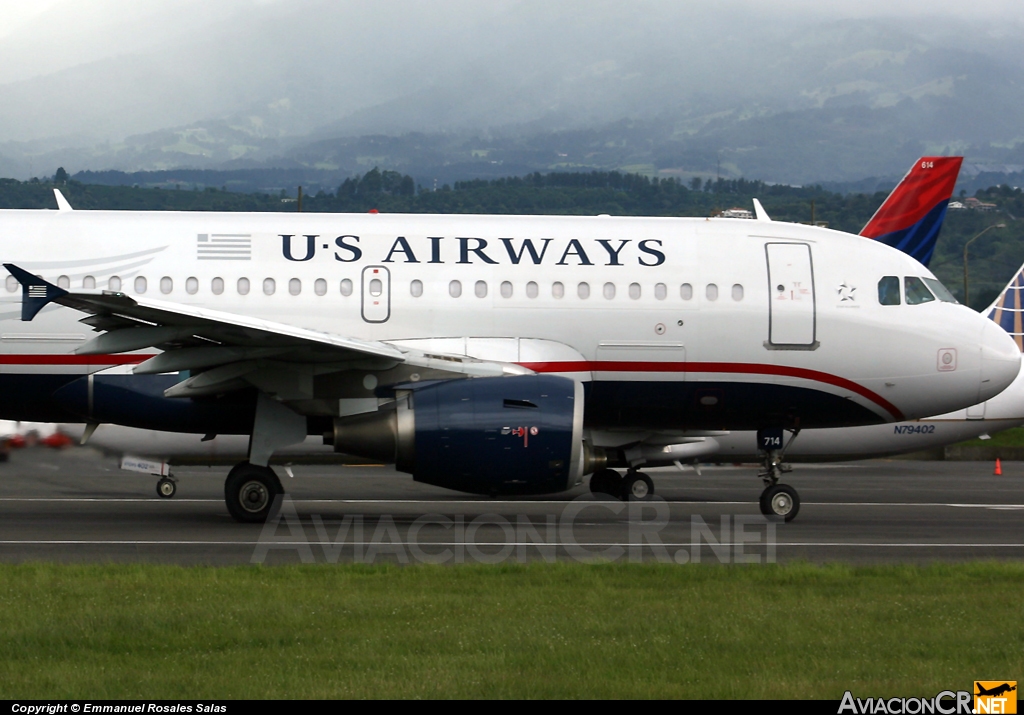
{"x":999,"y":468}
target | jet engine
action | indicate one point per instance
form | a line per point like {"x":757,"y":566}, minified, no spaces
{"x":138,"y":401}
{"x":493,"y":435}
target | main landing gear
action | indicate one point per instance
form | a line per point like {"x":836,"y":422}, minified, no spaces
{"x":249,"y":492}
{"x":251,"y":486}
{"x":779,"y":501}
{"x":633,"y":486}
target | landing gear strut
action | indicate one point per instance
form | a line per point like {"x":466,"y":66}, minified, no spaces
{"x":780,"y":501}
{"x":249,"y":492}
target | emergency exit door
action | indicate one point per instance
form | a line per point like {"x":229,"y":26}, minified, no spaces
{"x":376,"y":291}
{"x":791,"y":309}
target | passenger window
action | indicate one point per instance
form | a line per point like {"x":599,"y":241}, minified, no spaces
{"x":320,"y":286}
{"x":88,"y":283}
{"x":192,"y":285}
{"x":634,"y":291}
{"x":416,"y":288}
{"x":269,"y":286}
{"x":940,"y":290}
{"x":609,"y":290}
{"x":64,"y":282}
{"x":711,"y":292}
{"x":12,"y":284}
{"x":480,"y":289}
{"x":917,"y":291}
{"x":889,"y":290}
{"x":346,"y":287}
{"x":376,"y":287}
{"x":557,"y":289}
{"x":506,"y":289}
{"x":243,"y":286}
{"x":217,"y":286}
{"x":737,"y":292}
{"x":166,"y":285}
{"x":531,"y":290}
{"x":295,"y":286}
{"x":583,"y":290}
{"x":660,"y":291}
{"x":140,"y":284}
{"x":686,"y":291}
{"x":114,"y":284}
{"x":455,"y":289}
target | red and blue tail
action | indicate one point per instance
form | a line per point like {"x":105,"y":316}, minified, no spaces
{"x":911,"y":217}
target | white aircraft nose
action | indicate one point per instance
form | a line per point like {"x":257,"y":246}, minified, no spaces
{"x":1000,"y":360}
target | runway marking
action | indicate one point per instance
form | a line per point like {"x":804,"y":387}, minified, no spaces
{"x":522,"y":502}
{"x":744,"y":544}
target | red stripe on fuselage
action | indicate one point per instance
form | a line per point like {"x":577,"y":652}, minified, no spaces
{"x":743,"y":368}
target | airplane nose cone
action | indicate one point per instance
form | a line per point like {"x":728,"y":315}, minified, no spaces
{"x":1000,"y":360}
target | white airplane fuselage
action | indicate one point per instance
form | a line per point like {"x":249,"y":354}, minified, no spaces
{"x":671,"y":324}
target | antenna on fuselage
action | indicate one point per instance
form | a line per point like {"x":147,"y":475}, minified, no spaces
{"x":759,"y":212}
{"x":62,"y":203}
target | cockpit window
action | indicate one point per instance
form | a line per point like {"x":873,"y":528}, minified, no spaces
{"x":889,"y":290}
{"x":917,"y":291}
{"x":940,"y":291}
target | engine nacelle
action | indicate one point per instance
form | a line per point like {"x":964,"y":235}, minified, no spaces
{"x":491,"y":435}
{"x":138,"y":401}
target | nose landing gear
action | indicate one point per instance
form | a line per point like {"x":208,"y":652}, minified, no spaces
{"x":166,"y":487}
{"x":780,"y":501}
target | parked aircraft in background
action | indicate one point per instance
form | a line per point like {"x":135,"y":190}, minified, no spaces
{"x":489,"y":354}
{"x":912,"y":215}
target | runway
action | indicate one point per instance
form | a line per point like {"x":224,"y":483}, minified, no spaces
{"x":75,"y":505}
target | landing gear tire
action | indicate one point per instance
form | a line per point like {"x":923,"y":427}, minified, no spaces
{"x":165,"y":488}
{"x":607,"y":482}
{"x":637,"y":486}
{"x":249,"y":492}
{"x":780,"y":501}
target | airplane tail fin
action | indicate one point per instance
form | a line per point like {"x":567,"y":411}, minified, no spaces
{"x":1008,"y":309}
{"x":910,"y":218}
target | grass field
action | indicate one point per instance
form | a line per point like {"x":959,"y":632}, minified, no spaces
{"x":1013,"y":437}
{"x":564,"y":630}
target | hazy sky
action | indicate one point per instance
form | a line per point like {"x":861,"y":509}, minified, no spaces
{"x":85,"y":72}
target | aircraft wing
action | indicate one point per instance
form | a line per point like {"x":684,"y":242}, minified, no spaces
{"x":226,"y":347}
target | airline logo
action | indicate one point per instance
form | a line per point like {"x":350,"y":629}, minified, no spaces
{"x":467,"y":250}
{"x":995,"y":696}
{"x":224,"y":247}
{"x":910,"y":219}
{"x":1008,"y":308}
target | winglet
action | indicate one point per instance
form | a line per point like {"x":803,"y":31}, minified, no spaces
{"x":759,"y":212}
{"x":36,"y":293}
{"x":62,"y":203}
{"x":911,"y":217}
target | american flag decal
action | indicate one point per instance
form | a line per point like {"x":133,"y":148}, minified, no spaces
{"x":37,"y":291}
{"x":224,"y":246}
